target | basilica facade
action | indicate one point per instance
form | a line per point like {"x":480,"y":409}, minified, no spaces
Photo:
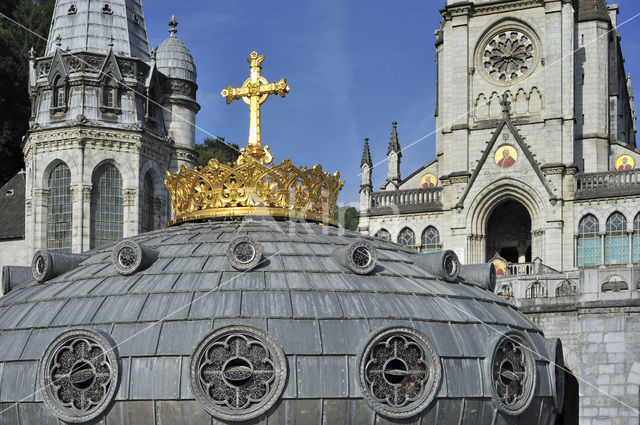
{"x":536,"y":170}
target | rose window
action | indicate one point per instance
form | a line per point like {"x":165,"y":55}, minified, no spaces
{"x":79,"y":375}
{"x":400,"y":373}
{"x":513,"y":374}
{"x":237,"y":373}
{"x":508,"y":55}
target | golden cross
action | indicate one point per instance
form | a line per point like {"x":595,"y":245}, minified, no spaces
{"x":255,"y":91}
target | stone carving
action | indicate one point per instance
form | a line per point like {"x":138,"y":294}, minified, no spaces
{"x":522,"y":104}
{"x":399,"y":372}
{"x":508,"y":55}
{"x":513,"y":374}
{"x":79,"y":374}
{"x":237,"y":373}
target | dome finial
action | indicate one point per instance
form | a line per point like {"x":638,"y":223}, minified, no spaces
{"x":173,"y":24}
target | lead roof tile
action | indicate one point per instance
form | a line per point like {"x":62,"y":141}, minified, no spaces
{"x":475,"y":339}
{"x":164,"y":307}
{"x":216,"y":263}
{"x":12,"y":343}
{"x":36,"y":413}
{"x":197,"y":282}
{"x":178,"y":250}
{"x":296,"y":336}
{"x":131,"y":412}
{"x":78,"y":311}
{"x":181,"y":338}
{"x":120,"y":308}
{"x":80,"y":288}
{"x":215,"y":304}
{"x":442,"y":336}
{"x":286,"y":280}
{"x":114,"y":285}
{"x":311,"y":304}
{"x":463,"y":376}
{"x":243,"y":280}
{"x":335,"y":282}
{"x":18,"y":381}
{"x":187,"y":412}
{"x":266,"y":304}
{"x":136,"y":339}
{"x":343,"y":336}
{"x":155,"y":378}
{"x":291,"y":386}
{"x":322,"y":377}
{"x":49,"y":290}
{"x":153,"y":283}
{"x":123,"y":388}
{"x":185,"y":265}
{"x":14,"y":314}
{"x":38,"y":342}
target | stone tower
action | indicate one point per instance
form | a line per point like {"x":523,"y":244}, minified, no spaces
{"x":108,"y":120}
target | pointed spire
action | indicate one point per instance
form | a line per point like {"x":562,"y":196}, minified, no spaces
{"x":366,"y":154}
{"x":153,"y":54}
{"x":173,"y":24}
{"x":394,"y":145}
{"x":32,"y":54}
{"x":506,"y":105}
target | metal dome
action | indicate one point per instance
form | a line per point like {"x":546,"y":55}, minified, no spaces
{"x":297,"y":323}
{"x":173,"y":58}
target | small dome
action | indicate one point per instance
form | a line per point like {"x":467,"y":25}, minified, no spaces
{"x":173,"y":58}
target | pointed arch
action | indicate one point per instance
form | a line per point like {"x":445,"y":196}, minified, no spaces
{"x":616,"y":241}
{"x":407,"y":237}
{"x":383,"y":234}
{"x":588,"y":241}
{"x":536,"y":290}
{"x":107,"y":208}
{"x":59,"y":213}
{"x":430,"y":240}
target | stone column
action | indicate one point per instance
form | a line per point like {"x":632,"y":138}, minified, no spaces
{"x":130,"y":212}
{"x":630,"y":258}
{"x":602,"y":236}
{"x":41,"y":207}
{"x":86,"y":217}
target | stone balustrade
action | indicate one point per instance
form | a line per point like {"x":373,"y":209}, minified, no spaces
{"x":406,"y":201}
{"x":607,"y":184}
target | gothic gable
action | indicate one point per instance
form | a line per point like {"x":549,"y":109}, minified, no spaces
{"x":110,"y":67}
{"x":58,"y":67}
{"x":507,"y":139}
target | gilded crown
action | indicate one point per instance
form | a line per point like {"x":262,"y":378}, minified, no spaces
{"x":252,"y":185}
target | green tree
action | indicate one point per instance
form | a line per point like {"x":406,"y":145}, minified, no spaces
{"x":347,"y":217}
{"x":15,"y":105}
{"x":217,"y":148}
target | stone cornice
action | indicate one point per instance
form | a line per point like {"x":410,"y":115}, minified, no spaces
{"x":471,"y":9}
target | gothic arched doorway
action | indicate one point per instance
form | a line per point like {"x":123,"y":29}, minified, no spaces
{"x":509,"y":232}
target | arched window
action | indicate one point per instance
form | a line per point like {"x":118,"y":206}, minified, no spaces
{"x":430,"y":240}
{"x":588,"y":241}
{"x":147,"y":200}
{"x":383,"y":234}
{"x":59,"y":93}
{"x":536,"y":290}
{"x":109,"y":93}
{"x":566,"y":289}
{"x":636,"y":239}
{"x":615,"y":283}
{"x":106,"y":206}
{"x":407,"y":237}
{"x":59,"y":215}
{"x":616,"y":241}
{"x":505,"y":292}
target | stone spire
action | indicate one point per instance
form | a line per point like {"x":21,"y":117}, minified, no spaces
{"x":87,"y":26}
{"x":366,"y":155}
{"x":173,"y":24}
{"x":394,"y":145}
{"x":394,"y":153}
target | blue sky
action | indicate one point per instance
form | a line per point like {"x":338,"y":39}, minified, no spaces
{"x":353,"y":67}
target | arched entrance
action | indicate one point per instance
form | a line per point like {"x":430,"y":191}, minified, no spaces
{"x":509,"y":232}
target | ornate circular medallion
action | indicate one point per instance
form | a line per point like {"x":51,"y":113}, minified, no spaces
{"x":625,"y":162}
{"x":127,"y":257}
{"x":428,"y":181}
{"x":513,"y":374}
{"x":508,"y":55}
{"x":41,"y":265}
{"x":361,"y":257}
{"x":79,"y":375}
{"x":244,"y":253}
{"x":505,"y":156}
{"x":237,"y":373}
{"x":399,"y":372}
